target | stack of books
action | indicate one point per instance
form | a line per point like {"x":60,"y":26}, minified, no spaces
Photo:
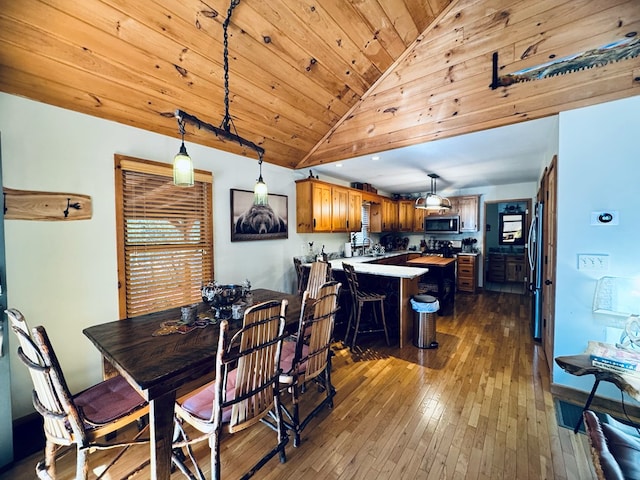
{"x":614,"y":359}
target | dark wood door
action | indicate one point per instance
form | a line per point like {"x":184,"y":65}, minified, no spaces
{"x":549,"y":264}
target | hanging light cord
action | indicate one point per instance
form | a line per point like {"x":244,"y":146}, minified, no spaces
{"x":224,"y":131}
{"x":260,"y":166}
{"x":181,"y":127}
{"x":227,"y":121}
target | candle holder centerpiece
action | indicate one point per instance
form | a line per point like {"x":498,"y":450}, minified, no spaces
{"x":221,"y":297}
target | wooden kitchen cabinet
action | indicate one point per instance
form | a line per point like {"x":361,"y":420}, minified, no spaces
{"x":495,"y":272}
{"x":389,"y":215}
{"x":405,"y":215}
{"x":506,"y":268}
{"x":339,"y":209}
{"x":467,"y":273}
{"x":418,"y":219}
{"x":468,"y":209}
{"x":354,"y":216}
{"x":515,"y":268}
{"x":313,"y":206}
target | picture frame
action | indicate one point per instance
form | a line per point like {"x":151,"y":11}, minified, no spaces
{"x":251,"y":222}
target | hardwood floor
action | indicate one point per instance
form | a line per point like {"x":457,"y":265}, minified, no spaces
{"x":478,"y":407}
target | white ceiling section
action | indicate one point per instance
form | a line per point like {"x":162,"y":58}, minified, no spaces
{"x":500,"y":156}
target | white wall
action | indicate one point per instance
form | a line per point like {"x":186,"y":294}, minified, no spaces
{"x":598,"y":169}
{"x":63,"y":274}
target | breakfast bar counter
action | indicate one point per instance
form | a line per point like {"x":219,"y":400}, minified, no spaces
{"x":399,"y":283}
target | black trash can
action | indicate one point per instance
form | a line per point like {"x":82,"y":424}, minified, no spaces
{"x":424,"y":322}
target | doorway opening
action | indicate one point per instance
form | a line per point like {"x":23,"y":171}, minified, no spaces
{"x":506,"y":230}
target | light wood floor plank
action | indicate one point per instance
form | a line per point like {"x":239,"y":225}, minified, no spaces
{"x":477,"y":407}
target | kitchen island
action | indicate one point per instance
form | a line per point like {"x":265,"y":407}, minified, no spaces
{"x":398,"y":282}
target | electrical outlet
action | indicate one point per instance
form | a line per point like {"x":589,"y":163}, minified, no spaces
{"x":593,"y":262}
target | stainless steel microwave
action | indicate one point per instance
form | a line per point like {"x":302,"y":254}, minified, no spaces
{"x":442,"y":224}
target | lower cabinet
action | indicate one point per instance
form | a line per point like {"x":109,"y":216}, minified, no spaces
{"x":515,"y":270}
{"x":506,"y":268}
{"x":467,"y":273}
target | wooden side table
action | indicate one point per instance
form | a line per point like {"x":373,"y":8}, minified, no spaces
{"x":580,"y":365}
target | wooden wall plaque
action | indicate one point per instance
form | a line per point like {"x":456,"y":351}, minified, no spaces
{"x":32,"y":205}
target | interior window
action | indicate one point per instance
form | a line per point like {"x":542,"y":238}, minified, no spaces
{"x":362,"y":238}
{"x":164,"y":236}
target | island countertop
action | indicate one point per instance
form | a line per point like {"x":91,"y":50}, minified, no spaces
{"x":362,"y":264}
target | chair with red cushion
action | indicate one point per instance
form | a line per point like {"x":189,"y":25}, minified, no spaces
{"x":83,"y":419}
{"x":245,"y":390}
{"x":308,"y":358}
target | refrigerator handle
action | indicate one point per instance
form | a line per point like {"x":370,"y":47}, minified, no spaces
{"x":530,"y":242}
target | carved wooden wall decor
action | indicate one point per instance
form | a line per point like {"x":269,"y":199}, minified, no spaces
{"x":31,"y":205}
{"x":623,"y":49}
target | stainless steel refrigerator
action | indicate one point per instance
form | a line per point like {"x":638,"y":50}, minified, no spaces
{"x":534,"y":249}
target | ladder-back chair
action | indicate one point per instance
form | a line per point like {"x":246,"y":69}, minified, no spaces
{"x":83,"y":419}
{"x":309,"y":357}
{"x":245,"y":390}
{"x":319,"y":274}
{"x":360,"y":298}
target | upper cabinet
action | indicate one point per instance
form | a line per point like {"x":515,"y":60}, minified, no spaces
{"x":406,"y":209}
{"x":418,"y":219}
{"x":354,"y":217}
{"x":313,"y":206}
{"x":468,"y":209}
{"x":323,"y":207}
{"x":339,"y":209}
{"x":389,"y":215}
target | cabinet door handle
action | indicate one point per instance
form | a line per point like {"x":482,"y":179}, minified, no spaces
{"x":314,"y":223}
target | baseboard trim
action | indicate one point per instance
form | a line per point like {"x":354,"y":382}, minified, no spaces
{"x":599,"y":404}
{"x":28,"y":436}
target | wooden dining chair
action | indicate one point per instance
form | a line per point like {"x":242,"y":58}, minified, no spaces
{"x":83,"y":419}
{"x":319,"y":274}
{"x":309,"y":357}
{"x":245,"y":390}
{"x":359,"y":299}
{"x":301,"y":274}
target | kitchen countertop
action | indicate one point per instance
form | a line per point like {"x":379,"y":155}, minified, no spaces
{"x":361,"y":265}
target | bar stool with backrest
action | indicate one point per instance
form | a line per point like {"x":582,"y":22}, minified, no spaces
{"x":83,"y":419}
{"x":242,"y":394}
{"x":308,"y":358}
{"x":359,"y":299}
{"x":319,"y":274}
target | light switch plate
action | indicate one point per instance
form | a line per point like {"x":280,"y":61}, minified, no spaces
{"x":588,"y":261}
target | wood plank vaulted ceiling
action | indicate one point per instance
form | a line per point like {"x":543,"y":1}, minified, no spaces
{"x":312,"y":81}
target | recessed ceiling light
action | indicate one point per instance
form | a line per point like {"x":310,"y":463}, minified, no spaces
{"x":338,"y":165}
{"x":375,"y":157}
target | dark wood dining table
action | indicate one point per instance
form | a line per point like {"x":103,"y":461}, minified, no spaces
{"x":164,"y":367}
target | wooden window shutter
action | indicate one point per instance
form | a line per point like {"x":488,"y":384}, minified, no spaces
{"x":165,"y":237}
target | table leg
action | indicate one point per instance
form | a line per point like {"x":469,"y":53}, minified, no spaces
{"x":586,"y":405}
{"x":161,"y":423}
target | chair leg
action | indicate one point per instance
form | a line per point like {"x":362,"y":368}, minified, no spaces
{"x":351,"y":315}
{"x":384,"y":322}
{"x":46,"y":469}
{"x":214,"y":445}
{"x":296,"y":414}
{"x":82,"y":468}
{"x":357,"y":327}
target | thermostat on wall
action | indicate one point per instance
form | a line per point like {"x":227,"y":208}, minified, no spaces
{"x":604,"y":218}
